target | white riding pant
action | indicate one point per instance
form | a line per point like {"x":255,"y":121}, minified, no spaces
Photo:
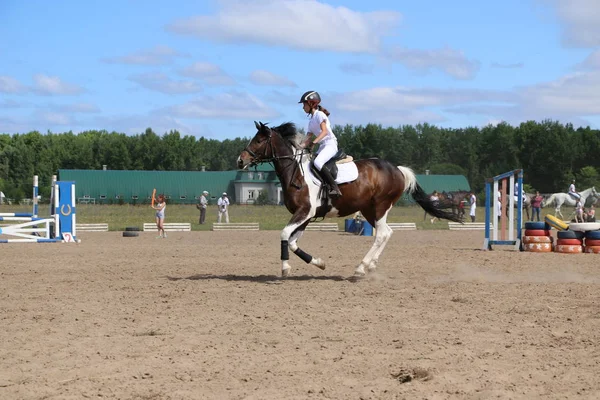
{"x":577,"y":196}
{"x":326,"y":151}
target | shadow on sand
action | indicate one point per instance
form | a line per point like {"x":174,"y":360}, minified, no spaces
{"x":267,"y":279}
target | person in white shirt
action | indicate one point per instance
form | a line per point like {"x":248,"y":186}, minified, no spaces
{"x":223,"y":206}
{"x":572,"y":190}
{"x":202,"y":206}
{"x":319,"y":127}
{"x":473,"y":203}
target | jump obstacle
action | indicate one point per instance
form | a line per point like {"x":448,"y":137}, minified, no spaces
{"x":58,"y":227}
{"x":507,"y":233}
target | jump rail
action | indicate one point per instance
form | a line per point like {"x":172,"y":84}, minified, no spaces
{"x":240,"y":226}
{"x":169,"y":227}
{"x":323,"y":226}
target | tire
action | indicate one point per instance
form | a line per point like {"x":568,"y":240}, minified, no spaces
{"x":130,"y":234}
{"x":536,"y":225}
{"x":563,"y":248}
{"x":556,"y":223}
{"x":538,"y":247}
{"x":592,"y":242}
{"x":570,"y":242}
{"x":569,"y":235}
{"x":537,"y":239}
{"x":592,"y":235}
{"x":537,"y":232}
{"x":592,"y":249}
{"x":132,"y":228}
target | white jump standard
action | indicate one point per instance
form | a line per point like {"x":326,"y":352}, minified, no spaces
{"x":58,"y":227}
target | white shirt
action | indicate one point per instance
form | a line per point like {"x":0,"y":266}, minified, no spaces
{"x":572,"y":188}
{"x":314,"y":126}
{"x":223,"y":202}
{"x":203,"y":201}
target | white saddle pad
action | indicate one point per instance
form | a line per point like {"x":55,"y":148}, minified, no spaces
{"x":347,"y":172}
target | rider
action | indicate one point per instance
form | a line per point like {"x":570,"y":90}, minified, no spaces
{"x":320,"y":126}
{"x":572,"y":190}
{"x":523,"y":196}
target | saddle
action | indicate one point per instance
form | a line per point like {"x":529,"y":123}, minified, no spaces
{"x":339,"y":158}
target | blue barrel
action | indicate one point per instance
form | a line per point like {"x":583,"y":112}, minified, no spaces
{"x":367,"y":229}
{"x":349,"y":225}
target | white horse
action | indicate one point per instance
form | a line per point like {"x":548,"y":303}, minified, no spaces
{"x":558,"y":199}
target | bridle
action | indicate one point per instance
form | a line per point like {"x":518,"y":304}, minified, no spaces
{"x":273,"y":157}
{"x":263,"y":158}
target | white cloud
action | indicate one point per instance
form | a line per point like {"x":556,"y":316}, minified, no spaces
{"x":84,"y":108}
{"x":138,"y":123}
{"x":452,"y":62}
{"x":592,"y":61}
{"x":580,"y":21}
{"x":53,"y":85}
{"x":8,"y":103}
{"x":223,"y":105}
{"x":266,"y":78}
{"x":158,"y":55}
{"x":47,"y":118}
{"x":11,"y":85}
{"x":210,"y":73}
{"x":357,"y":68}
{"x":162,"y":83}
{"x":508,"y":66}
{"x":298,"y":24}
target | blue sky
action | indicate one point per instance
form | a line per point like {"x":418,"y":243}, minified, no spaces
{"x":210,"y":68}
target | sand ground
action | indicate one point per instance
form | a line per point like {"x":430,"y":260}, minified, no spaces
{"x":203,"y":315}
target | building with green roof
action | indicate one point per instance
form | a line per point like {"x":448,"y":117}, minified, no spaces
{"x":185,"y":187}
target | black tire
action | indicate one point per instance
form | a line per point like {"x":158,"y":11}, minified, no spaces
{"x":536,"y":225}
{"x":130,"y":234}
{"x":132,"y":228}
{"x":569,"y":235}
{"x":592,"y":235}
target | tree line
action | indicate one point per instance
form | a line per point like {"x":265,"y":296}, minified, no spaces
{"x":550,"y":153}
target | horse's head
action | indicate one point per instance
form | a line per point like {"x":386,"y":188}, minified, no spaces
{"x":267,"y":145}
{"x":594,"y":192}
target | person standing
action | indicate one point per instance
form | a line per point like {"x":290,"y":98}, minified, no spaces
{"x":202,"y":203}
{"x":536,"y":205}
{"x":223,"y":206}
{"x":160,"y":216}
{"x":473,"y":203}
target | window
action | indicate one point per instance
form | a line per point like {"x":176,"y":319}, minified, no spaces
{"x":134,"y":197}
{"x":260,"y":175}
{"x":250,"y":175}
{"x":251,"y":194}
{"x":117,"y":197}
{"x":182,"y":197}
{"x":102,"y":196}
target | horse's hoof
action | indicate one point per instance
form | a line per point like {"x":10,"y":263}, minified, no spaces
{"x":358,"y":276}
{"x":318,"y":263}
{"x":285,"y":272}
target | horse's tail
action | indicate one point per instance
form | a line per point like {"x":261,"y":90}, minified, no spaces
{"x":433,"y":208}
{"x":549,"y":200}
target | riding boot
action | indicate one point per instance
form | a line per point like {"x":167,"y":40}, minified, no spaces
{"x":334,"y":190}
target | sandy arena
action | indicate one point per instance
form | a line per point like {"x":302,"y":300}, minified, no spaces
{"x":203,"y":315}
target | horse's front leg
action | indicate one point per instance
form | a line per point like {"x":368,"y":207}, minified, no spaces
{"x":289,"y":237}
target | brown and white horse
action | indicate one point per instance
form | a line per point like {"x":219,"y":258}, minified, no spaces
{"x":378,"y":186}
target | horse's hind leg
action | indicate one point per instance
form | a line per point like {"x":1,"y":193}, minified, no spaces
{"x":384,"y":232}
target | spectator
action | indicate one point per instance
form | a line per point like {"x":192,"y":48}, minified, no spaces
{"x":202,"y":202}
{"x":536,"y":205}
{"x":223,"y":205}
{"x":591,"y":214}
{"x":578,"y":211}
{"x":473,"y":203}
{"x":435,"y":198}
{"x":160,"y":216}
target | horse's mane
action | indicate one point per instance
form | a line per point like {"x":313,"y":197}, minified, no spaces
{"x":289,"y":133}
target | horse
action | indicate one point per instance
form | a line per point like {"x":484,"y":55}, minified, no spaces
{"x":558,"y":199}
{"x":376,"y":186}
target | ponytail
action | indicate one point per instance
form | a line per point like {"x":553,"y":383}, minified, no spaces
{"x":323,"y":110}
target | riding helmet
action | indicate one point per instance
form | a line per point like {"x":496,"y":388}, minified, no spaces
{"x":310,"y":95}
